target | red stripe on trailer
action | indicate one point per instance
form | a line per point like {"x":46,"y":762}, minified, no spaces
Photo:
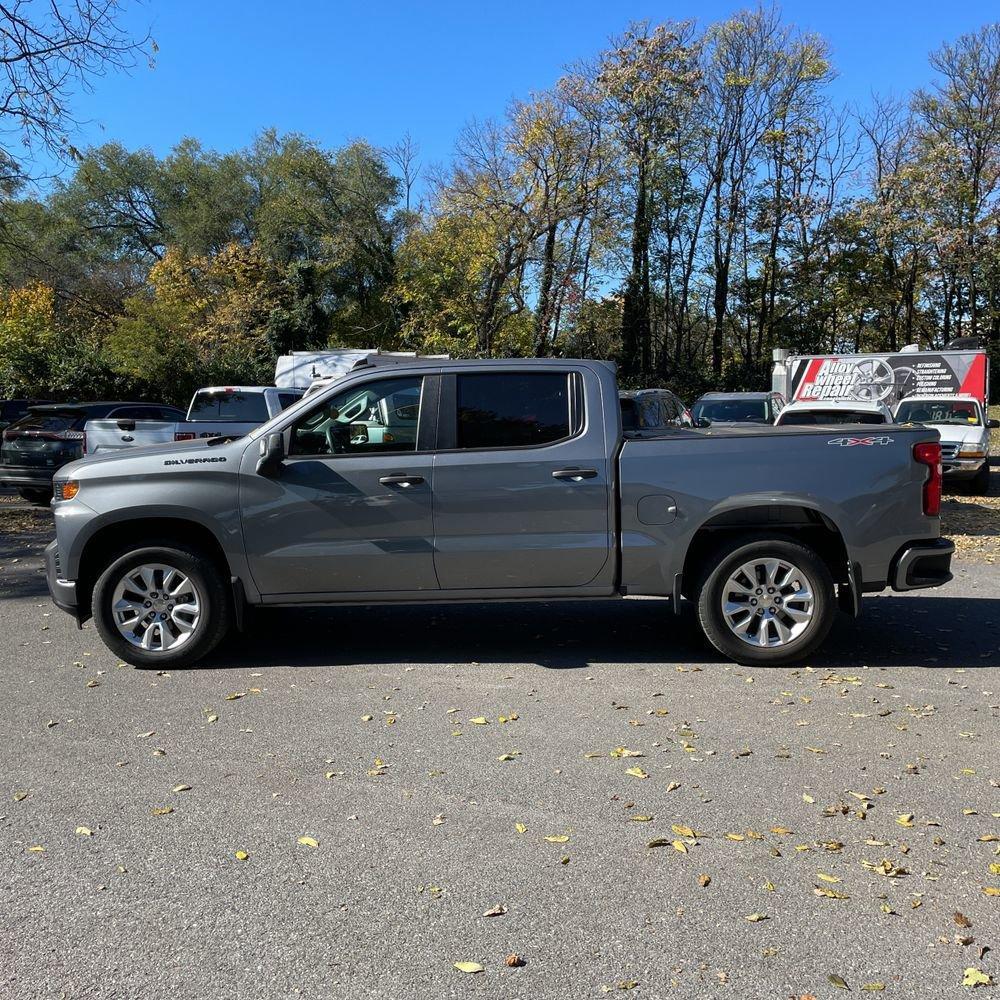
{"x":974,"y":382}
{"x":810,"y":376}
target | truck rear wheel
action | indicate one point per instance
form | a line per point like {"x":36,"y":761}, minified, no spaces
{"x":162,"y":606}
{"x":766,"y":601}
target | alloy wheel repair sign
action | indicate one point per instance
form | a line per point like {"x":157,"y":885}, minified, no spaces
{"x":888,"y":378}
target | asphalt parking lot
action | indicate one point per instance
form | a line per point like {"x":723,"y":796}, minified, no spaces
{"x":333,"y":803}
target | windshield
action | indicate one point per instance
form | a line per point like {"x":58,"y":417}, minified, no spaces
{"x":245,"y":407}
{"x":752,"y":411}
{"x":48,"y":421}
{"x":804,"y":417}
{"x":938,"y":411}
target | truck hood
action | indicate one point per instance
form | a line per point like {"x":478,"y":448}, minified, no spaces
{"x":959,"y":434}
{"x":153,"y":458}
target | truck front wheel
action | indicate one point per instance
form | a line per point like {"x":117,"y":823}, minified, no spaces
{"x":162,"y":606}
{"x":768,"y":601}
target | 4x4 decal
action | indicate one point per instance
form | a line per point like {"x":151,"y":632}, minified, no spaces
{"x":851,"y":442}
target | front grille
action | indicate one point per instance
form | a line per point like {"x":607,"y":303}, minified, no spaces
{"x":949,"y":450}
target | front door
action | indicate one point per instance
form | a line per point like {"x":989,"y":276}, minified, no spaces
{"x":521,"y":482}
{"x":350,"y":510}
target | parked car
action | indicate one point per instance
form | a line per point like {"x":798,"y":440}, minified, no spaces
{"x":51,"y":435}
{"x":965,"y":435}
{"x":14,"y":409}
{"x":518,"y":484}
{"x":218,"y":412}
{"x":834,"y":411}
{"x":725,"y":408}
{"x":652,"y":410}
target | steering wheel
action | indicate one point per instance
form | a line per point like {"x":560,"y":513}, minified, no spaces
{"x":337,"y":437}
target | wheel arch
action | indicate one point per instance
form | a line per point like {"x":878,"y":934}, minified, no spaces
{"x":796,"y":521}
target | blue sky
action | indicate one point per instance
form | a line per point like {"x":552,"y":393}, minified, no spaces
{"x":343,"y":69}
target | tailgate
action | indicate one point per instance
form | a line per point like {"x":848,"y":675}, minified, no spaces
{"x":111,"y":435}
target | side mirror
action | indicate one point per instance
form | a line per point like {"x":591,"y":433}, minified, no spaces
{"x":702,"y":422}
{"x":993,"y":423}
{"x":272,"y":455}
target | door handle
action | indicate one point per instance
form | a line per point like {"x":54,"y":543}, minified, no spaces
{"x":401,"y":480}
{"x":574,"y":474}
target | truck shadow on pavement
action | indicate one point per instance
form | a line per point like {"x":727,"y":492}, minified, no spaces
{"x":894,"y":631}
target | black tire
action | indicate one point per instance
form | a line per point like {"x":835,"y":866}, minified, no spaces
{"x":213,"y":592}
{"x":979,"y":485}
{"x":726,"y":561}
{"x":41,"y":497}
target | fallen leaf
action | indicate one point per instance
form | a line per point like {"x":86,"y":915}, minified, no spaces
{"x":181,"y":788}
{"x":308,"y":842}
{"x":84,"y":831}
{"x":558,"y":838}
{"x":829,"y":893}
{"x":637,"y":772}
{"x":673,"y":786}
{"x":679,"y":845}
{"x":990,"y":890}
{"x":241,"y":855}
{"x":20,"y":796}
{"x":875,"y":987}
{"x":641,"y":819}
{"x":906,"y":819}
{"x":520,"y":827}
{"x":496,"y":911}
{"x":756,"y":918}
{"x":961,"y":919}
{"x":145,"y":736}
{"x":470,"y":967}
{"x":682,"y":831}
{"x":827,"y":878}
{"x":479,"y":720}
{"x":162,"y":810}
{"x":974,"y":977}
{"x":838,"y":981}
{"x":37,"y":849}
{"x":514,"y":960}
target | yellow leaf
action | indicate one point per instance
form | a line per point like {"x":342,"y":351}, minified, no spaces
{"x":640,"y":819}
{"x":735,"y":836}
{"x":973,"y":977}
{"x":673,"y":786}
{"x":808,"y":798}
{"x":991,"y":891}
{"x":84,"y":831}
{"x":769,"y":886}
{"x":470,"y":967}
{"x":682,"y":831}
{"x":827,"y":878}
{"x":873,"y":987}
{"x":558,"y":838}
{"x":241,"y":855}
{"x":658,"y":842}
{"x":679,"y":845}
{"x":181,"y":788}
{"x":906,"y":819}
{"x":366,"y":718}
{"x":829,"y":893}
{"x":756,"y":918}
{"x":480,"y":720}
{"x":308,"y":842}
{"x":520,"y":827}
{"x":37,"y":849}
{"x":838,"y":981}
{"x":704,"y":880}
{"x":637,"y":772}
{"x":162,"y":810}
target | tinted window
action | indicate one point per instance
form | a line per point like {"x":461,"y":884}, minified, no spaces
{"x":379,"y":416}
{"x":285,"y":399}
{"x":752,"y":411}
{"x":245,"y":407}
{"x":802,"y":418}
{"x":49,"y":421}
{"x":512,"y":410}
{"x":135,"y":413}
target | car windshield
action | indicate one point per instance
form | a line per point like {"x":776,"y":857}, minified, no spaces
{"x":248,"y":407}
{"x":938,"y":411}
{"x":805,"y":417}
{"x":753,"y":411}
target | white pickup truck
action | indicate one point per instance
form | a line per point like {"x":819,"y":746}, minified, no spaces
{"x":216,"y":411}
{"x":965,"y":435}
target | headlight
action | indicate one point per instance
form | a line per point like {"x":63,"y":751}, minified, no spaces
{"x":971,"y":453}
{"x":65,"y":489}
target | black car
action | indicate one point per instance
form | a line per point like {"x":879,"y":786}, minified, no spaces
{"x":52,"y":435}
{"x":652,"y":410}
{"x":14,"y":409}
{"x":737,"y":408}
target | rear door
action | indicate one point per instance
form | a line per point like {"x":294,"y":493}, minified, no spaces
{"x":522,"y":481}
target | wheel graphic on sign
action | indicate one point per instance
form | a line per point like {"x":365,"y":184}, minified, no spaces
{"x":874,"y":380}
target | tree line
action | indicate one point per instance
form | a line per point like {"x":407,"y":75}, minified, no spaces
{"x":683,"y":202}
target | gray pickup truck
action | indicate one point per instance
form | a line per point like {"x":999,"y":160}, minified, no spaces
{"x":413,"y":480}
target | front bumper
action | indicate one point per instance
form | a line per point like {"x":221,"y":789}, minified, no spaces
{"x":919,"y":565}
{"x":962,"y":468}
{"x":63,"y":592}
{"x":27,"y":476}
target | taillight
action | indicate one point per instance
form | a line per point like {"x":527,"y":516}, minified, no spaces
{"x":184,"y":435}
{"x":929,"y":453}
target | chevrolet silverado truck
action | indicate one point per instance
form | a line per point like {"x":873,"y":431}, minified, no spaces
{"x":517,"y":483}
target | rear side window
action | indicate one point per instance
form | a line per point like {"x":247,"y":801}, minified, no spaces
{"x":248,"y":407}
{"x":285,"y":399}
{"x":512,"y":410}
